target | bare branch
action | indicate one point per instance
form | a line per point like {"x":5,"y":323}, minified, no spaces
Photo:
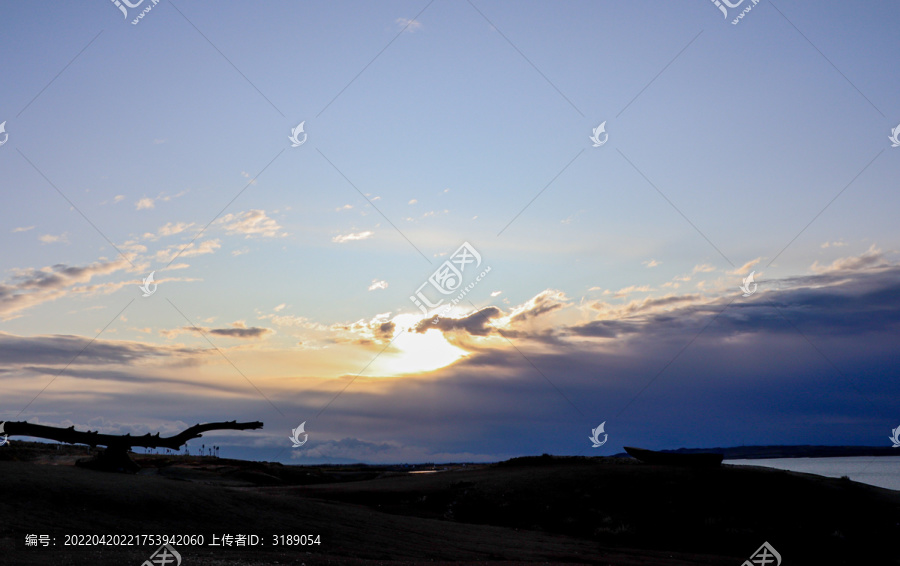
{"x":119,"y":441}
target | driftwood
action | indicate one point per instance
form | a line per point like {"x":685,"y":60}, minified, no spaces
{"x":93,"y":439}
{"x":115,"y":457}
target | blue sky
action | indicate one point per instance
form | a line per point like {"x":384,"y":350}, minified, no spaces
{"x":613,"y":292}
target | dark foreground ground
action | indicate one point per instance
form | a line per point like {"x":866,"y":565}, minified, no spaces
{"x":533,"y":510}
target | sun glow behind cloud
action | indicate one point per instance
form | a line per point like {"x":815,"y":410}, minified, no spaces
{"x":414,"y":352}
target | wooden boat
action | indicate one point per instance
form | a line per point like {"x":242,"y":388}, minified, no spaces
{"x":689,"y":459}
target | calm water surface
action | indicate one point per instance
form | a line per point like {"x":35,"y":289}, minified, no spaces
{"x":881,"y":471}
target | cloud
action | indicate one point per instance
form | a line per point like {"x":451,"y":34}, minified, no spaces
{"x":625,"y":291}
{"x":544,"y":302}
{"x":23,"y":229}
{"x":129,"y":375}
{"x":476,"y":324}
{"x":252,"y":223}
{"x":172,"y":228}
{"x":413,"y":201}
{"x":340,"y":239}
{"x":251,"y":332}
{"x":408,"y":25}
{"x":703,"y":268}
{"x":599,"y":329}
{"x":74,"y":350}
{"x":238,"y":329}
{"x":651,"y":263}
{"x":649,"y":304}
{"x":31,"y":287}
{"x":118,"y":198}
{"x":192,"y":249}
{"x":144,"y":204}
{"x":745,"y":269}
{"x":292,"y":321}
{"x":376,"y":284}
{"x":279,"y":308}
{"x":51,"y":239}
{"x":385,"y":330}
{"x":596,"y":354}
{"x":852,"y":295}
{"x":872,"y":258}
{"x":364,"y":332}
{"x":246,"y":175}
{"x":718,"y":358}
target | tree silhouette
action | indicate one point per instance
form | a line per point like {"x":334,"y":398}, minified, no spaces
{"x":115,"y":456}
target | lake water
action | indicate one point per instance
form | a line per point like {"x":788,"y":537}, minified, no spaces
{"x":881,"y":471}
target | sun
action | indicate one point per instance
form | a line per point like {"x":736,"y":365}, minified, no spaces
{"x":416,"y":352}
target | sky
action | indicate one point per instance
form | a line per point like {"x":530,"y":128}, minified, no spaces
{"x":667,"y":218}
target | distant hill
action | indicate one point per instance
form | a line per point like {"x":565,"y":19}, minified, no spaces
{"x":801,"y":451}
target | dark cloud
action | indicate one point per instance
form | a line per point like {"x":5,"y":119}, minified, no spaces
{"x":63,"y":349}
{"x":599,"y":328}
{"x":810,"y":359}
{"x":476,"y":324}
{"x":236,"y":330}
{"x":131,"y":375}
{"x":250,"y":332}
{"x":832,"y":303}
{"x":386,"y":330}
{"x":865,"y":302}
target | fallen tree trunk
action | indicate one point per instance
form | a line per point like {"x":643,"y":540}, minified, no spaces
{"x":72,"y":436}
{"x":115,"y":457}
